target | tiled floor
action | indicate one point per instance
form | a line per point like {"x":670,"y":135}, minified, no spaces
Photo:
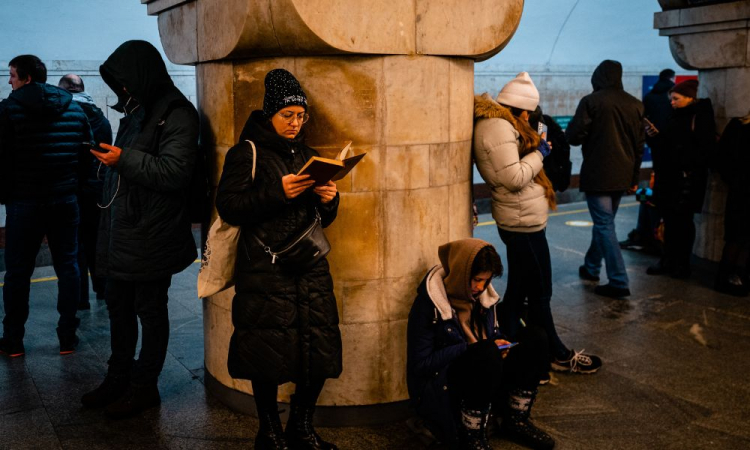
{"x":677,"y":357}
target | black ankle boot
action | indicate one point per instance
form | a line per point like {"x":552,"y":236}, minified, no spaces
{"x":270,"y":432}
{"x":516,"y":423}
{"x":112,"y":388}
{"x":134,"y":401}
{"x":300,"y":432}
{"x":472,"y":434}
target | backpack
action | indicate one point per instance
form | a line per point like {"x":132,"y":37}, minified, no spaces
{"x":199,"y":190}
{"x":557,"y":165}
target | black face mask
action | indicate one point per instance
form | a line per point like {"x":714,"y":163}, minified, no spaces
{"x":130,"y":106}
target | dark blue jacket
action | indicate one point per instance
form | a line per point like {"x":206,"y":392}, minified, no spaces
{"x":42,"y":133}
{"x":434,"y":340}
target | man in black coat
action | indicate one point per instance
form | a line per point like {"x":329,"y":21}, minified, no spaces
{"x":90,"y":189}
{"x":41,"y":134}
{"x":657,"y":109}
{"x":145,"y":233}
{"x":608,"y":124}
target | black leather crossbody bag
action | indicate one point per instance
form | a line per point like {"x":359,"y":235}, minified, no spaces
{"x":302,"y":252}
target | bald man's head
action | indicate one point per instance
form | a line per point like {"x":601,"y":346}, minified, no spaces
{"x":71,"y":83}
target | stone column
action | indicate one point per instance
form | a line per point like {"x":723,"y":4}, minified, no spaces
{"x":712,"y":39}
{"x":396,"y":78}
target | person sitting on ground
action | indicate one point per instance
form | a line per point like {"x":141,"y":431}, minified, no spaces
{"x":455,"y":370}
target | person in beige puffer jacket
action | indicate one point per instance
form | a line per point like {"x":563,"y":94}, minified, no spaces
{"x":509,"y":156}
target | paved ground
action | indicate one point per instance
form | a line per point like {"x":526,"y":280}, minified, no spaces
{"x":676,"y":359}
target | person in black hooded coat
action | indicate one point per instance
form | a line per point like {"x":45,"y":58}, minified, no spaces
{"x":145,"y":233}
{"x":285,"y":320}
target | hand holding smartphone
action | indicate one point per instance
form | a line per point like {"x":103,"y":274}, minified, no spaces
{"x":507,"y":346}
{"x":95,"y":147}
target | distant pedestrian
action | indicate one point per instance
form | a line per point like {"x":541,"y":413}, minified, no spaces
{"x":608,"y":124}
{"x":509,"y":154}
{"x":41,"y":134}
{"x":89,"y":191}
{"x":687,"y":141}
{"x":145,"y":234}
{"x":657,"y":110}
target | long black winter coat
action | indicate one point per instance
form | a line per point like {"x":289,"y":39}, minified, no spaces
{"x":733,"y":163}
{"x":686,"y":144}
{"x":285,"y":323}
{"x":41,"y":134}
{"x":146,"y":233}
{"x":608,"y":124}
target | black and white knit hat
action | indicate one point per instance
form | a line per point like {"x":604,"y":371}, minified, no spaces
{"x":282,"y":90}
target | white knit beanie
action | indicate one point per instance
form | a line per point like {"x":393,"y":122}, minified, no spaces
{"x":520,"y":92}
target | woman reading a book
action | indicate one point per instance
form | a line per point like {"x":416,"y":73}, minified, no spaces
{"x":509,"y":156}
{"x":285,"y":318}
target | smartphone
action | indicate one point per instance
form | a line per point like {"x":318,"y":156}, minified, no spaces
{"x":95,"y":147}
{"x":541,"y":129}
{"x":507,"y":346}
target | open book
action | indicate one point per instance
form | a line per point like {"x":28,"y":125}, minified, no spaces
{"x":324,"y":169}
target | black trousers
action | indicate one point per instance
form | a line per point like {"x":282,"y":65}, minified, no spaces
{"x":679,"y":236}
{"x":129,"y":301}
{"x":481,"y":376}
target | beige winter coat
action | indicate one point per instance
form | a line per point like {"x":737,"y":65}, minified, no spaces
{"x":518,"y":203}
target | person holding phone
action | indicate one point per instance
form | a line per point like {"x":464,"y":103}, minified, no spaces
{"x":686,"y":141}
{"x":509,"y":156}
{"x":456,"y":370}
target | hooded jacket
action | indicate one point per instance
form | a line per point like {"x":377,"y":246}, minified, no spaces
{"x":285,"y":321}
{"x":435,"y":338}
{"x":518,"y":202}
{"x":657,"y":108}
{"x":145,"y":232}
{"x":608,"y":124}
{"x":41,"y":135}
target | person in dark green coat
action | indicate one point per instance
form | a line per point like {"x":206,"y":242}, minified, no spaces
{"x":145,"y":232}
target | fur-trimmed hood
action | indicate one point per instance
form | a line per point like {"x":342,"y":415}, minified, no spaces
{"x":485,"y":107}
{"x":436,"y":291}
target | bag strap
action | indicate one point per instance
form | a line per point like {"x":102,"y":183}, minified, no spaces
{"x":254,"y":156}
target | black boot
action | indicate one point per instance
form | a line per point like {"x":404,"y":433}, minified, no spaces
{"x":472,"y":434}
{"x":516,"y":425}
{"x":299,"y":429}
{"x":135,"y":400}
{"x":112,"y":388}
{"x":270,"y":432}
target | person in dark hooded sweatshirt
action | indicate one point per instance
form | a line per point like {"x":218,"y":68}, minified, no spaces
{"x":456,"y":373}
{"x":285,"y":317}
{"x":608,"y":124}
{"x":145,"y":233}
{"x":41,"y":134}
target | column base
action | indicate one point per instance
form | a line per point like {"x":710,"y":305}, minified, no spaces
{"x":325,"y":416}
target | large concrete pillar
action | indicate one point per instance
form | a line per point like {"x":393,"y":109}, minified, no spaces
{"x":396,"y":78}
{"x":712,"y":39}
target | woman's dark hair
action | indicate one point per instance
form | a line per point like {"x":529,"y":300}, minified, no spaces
{"x":29,"y":66}
{"x":487,"y":260}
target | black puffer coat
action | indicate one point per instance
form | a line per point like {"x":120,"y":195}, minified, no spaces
{"x":686,"y":144}
{"x":608,"y":124}
{"x":285,"y":323}
{"x":146,"y":234}
{"x":42,"y":131}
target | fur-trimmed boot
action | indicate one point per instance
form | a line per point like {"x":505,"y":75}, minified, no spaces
{"x":516,"y":424}
{"x":299,"y":429}
{"x":472,"y":434}
{"x":270,"y":432}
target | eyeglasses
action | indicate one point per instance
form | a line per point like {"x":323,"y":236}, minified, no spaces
{"x":290,"y":117}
